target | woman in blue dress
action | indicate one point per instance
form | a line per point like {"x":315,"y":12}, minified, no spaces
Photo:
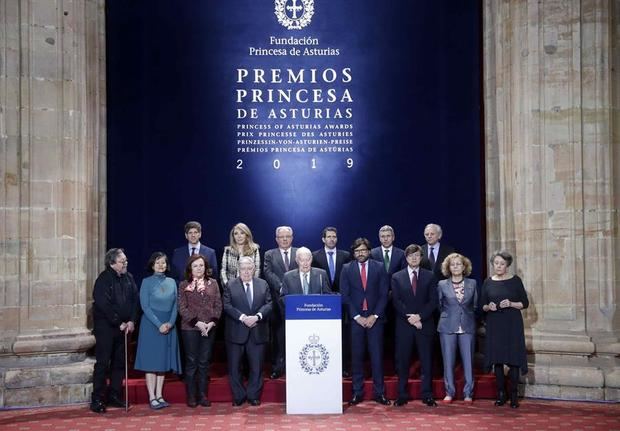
{"x":158,"y":345}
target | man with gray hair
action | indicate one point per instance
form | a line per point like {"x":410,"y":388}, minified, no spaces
{"x":278,"y":261}
{"x":115,"y":310}
{"x":305,"y":280}
{"x":433,"y":251}
{"x":247,"y":304}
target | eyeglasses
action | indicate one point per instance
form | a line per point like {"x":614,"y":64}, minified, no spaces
{"x":361,"y":251}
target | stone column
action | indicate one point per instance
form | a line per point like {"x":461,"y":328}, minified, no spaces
{"x":52,"y":195}
{"x":550,"y":100}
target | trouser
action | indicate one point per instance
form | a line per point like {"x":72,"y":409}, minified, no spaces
{"x":198,"y":351}
{"x":109,"y":354}
{"x":465,"y":343}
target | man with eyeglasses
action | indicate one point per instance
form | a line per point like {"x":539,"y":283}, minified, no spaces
{"x":115,"y":310}
{"x":278,"y":261}
{"x":364,"y":289}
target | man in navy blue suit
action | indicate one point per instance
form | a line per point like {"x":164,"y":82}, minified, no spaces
{"x":193,"y":232}
{"x":414,"y":294}
{"x":332,"y":260}
{"x":364,"y":289}
{"x":393,"y":258}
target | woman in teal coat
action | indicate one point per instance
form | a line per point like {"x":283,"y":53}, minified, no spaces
{"x":158,"y":345}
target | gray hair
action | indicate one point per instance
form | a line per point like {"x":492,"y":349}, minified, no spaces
{"x":303,"y":250}
{"x":246,"y":259}
{"x":111,"y":255}
{"x":434,"y":226}
{"x":503,"y":254}
{"x":279,"y":228}
{"x":386,"y":228}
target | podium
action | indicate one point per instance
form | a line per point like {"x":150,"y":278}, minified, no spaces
{"x":313,"y":354}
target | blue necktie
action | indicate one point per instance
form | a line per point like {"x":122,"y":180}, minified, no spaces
{"x":332,"y":266}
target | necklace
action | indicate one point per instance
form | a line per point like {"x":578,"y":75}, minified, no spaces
{"x":457,"y":282}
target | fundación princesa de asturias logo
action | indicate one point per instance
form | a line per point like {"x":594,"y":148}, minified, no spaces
{"x":294,"y":14}
{"x":314,"y":357}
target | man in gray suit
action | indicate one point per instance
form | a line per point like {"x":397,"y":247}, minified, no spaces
{"x":247,"y":304}
{"x":278,"y":261}
{"x":305,"y":280}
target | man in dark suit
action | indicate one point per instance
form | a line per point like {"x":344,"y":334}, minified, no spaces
{"x":433,"y":252}
{"x":414,"y":294}
{"x":305,"y":280}
{"x":329,"y":258}
{"x":364,"y":289}
{"x":193,"y":232}
{"x":332,"y":260}
{"x":393,"y":258}
{"x":247,"y":304}
{"x":277,"y":262}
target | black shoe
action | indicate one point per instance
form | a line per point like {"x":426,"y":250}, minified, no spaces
{"x":356,"y":400}
{"x":514,"y":400}
{"x":97,"y":406}
{"x":237,"y":403}
{"x":382,"y":400}
{"x":275,"y":375}
{"x":114,"y":401}
{"x":204,"y":402}
{"x":192,"y":403}
{"x":429,"y":402}
{"x":400,"y":402}
{"x":345,"y":374}
{"x":254,"y":402}
{"x":501,"y":399}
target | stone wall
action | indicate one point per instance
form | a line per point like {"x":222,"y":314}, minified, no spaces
{"x":52,"y":195}
{"x":550,"y":98}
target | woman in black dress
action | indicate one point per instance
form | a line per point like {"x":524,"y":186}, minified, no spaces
{"x":503,"y":297}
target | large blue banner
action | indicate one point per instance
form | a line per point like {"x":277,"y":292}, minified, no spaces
{"x":305,"y":113}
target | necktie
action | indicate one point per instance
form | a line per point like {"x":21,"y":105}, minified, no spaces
{"x":306,"y":285}
{"x":332,"y":266}
{"x":287,"y":262}
{"x":364,"y":281}
{"x":248,"y":294}
{"x":386,"y":260}
{"x":414,"y":282}
{"x":431,"y":257}
{"x":193,"y":251}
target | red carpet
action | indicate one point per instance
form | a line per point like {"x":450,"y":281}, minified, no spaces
{"x":482,"y":415}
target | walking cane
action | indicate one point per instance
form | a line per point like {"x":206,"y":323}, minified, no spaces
{"x":126,"y":377}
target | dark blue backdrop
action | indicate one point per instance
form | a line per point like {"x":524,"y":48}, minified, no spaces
{"x":418,"y":157}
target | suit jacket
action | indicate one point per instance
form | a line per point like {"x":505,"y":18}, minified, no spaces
{"x":274,"y":269}
{"x":353,"y":293}
{"x":319,"y":260}
{"x":236,"y":303}
{"x":455,"y":313}
{"x":424,"y":302}
{"x":444,"y":251}
{"x":318,"y":281}
{"x":397,"y":260}
{"x":180,"y":256}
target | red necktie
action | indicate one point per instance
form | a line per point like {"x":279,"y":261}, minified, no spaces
{"x":364,"y":281}
{"x":414,"y":282}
